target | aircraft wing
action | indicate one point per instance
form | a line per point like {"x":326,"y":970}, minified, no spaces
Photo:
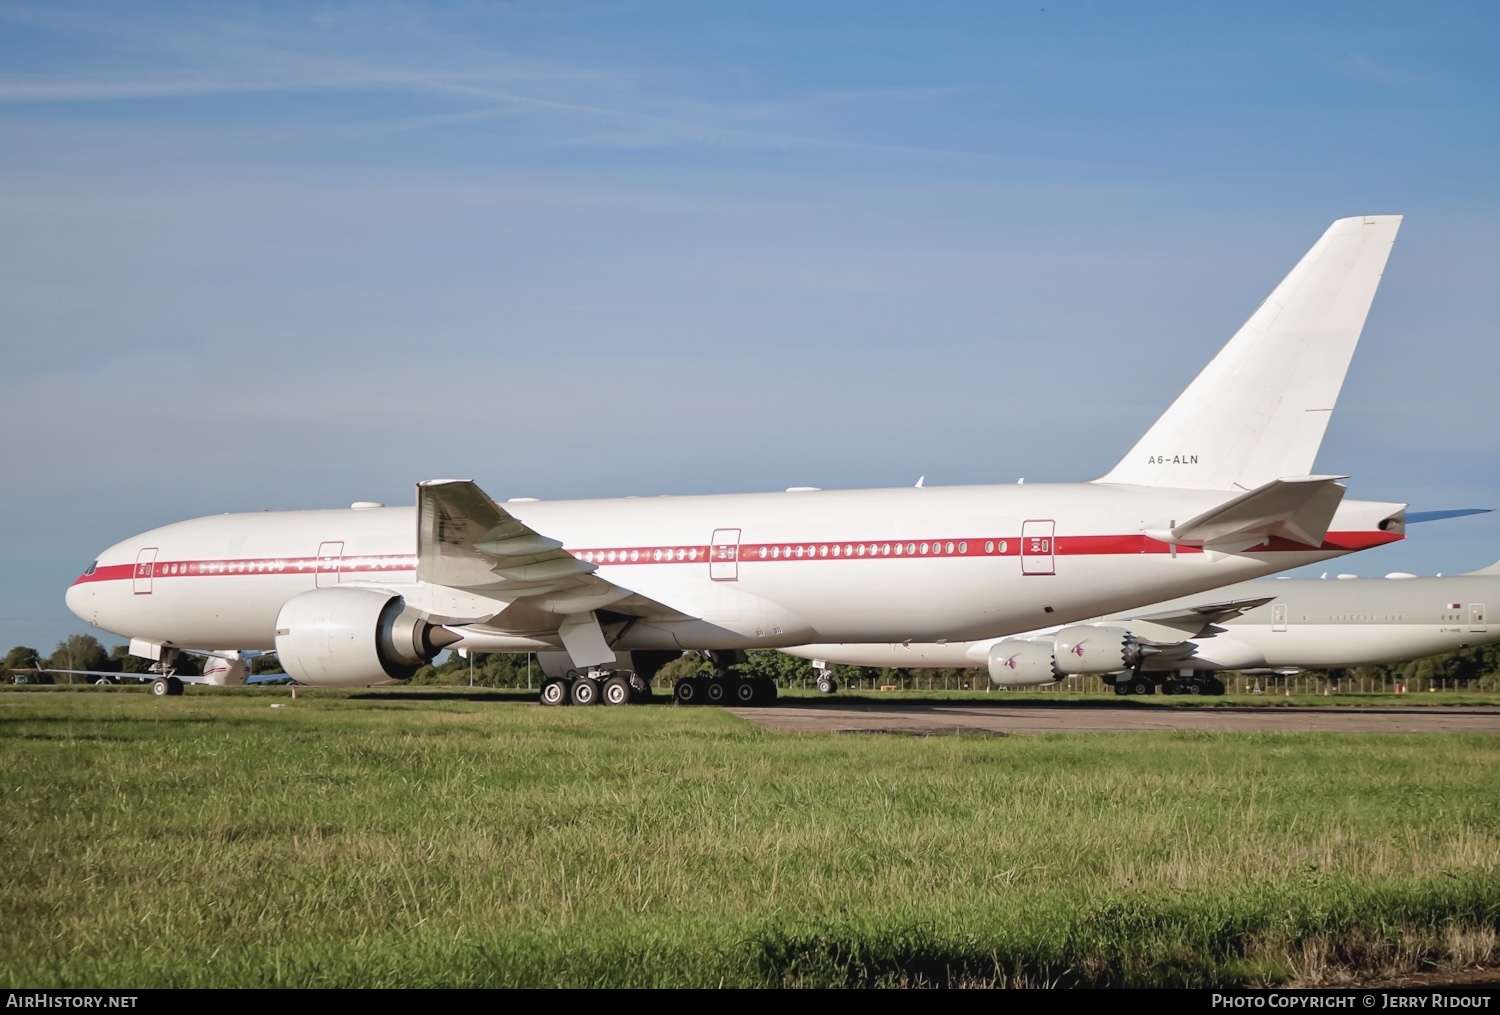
{"x":1207,"y":614}
{"x":467,"y":542}
{"x":111,"y":674}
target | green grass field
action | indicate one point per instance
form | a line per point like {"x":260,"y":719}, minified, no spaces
{"x":403,"y":840}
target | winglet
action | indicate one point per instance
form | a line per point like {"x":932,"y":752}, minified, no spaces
{"x":1258,"y":411}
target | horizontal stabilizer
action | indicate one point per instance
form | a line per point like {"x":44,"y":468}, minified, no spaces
{"x":1414,"y":517}
{"x":1258,"y":411}
{"x":1296,"y":509}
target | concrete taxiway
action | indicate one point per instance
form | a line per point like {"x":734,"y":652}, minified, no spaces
{"x":881,"y":717}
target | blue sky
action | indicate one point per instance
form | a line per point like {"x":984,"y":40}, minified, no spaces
{"x":297,"y":255}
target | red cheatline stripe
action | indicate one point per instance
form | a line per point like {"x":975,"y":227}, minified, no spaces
{"x":747,"y":553}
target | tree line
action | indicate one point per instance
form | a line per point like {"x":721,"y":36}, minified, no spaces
{"x":1477,"y":668}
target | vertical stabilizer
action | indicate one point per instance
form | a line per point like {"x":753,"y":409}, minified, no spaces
{"x":1258,"y":411}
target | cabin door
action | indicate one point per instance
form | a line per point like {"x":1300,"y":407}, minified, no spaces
{"x":145,"y":567}
{"x":330,"y":559}
{"x":1036,"y":547}
{"x":724,"y":555}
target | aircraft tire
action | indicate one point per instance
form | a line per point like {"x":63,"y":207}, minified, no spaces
{"x":768,"y":689}
{"x":585,"y":691}
{"x":827,"y":685}
{"x":1140,"y":685}
{"x":175,"y":686}
{"x":1192,"y":686}
{"x":1121,"y":687}
{"x":686,"y":691}
{"x":160,"y":688}
{"x":617,"y":691}
{"x":747,"y":692}
{"x":554,"y":692}
{"x":104,"y":681}
{"x":716,"y":692}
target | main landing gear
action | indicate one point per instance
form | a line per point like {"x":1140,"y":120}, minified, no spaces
{"x":1186,"y":682}
{"x":1192,"y":683}
{"x":612,"y":687}
{"x":725,"y":690}
{"x":724,"y":686}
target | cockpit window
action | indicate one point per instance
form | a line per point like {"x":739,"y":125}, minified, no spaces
{"x":91,"y":567}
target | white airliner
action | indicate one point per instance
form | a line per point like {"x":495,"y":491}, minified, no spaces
{"x":1216,"y":492}
{"x":1266,"y":624}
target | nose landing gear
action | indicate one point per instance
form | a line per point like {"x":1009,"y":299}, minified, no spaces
{"x":166,"y":684}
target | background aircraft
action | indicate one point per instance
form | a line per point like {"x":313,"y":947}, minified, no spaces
{"x":1217,"y":491}
{"x":1269,"y":623}
{"x":220,"y":669}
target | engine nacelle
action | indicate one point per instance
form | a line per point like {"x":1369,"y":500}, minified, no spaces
{"x":1022,"y":662}
{"x":351,"y":637}
{"x":224,"y":669}
{"x":1086,"y":648}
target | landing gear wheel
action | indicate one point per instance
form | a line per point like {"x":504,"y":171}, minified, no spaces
{"x":1140,"y":685}
{"x":827,"y":685}
{"x":617,"y":691}
{"x":1122,"y":688}
{"x":1213,"y":685}
{"x":716,"y":692}
{"x":747,"y":692}
{"x":554,"y":691}
{"x":160,"y":688}
{"x":104,"y":681}
{"x":1192,"y":685}
{"x":687,"y":691}
{"x":768,"y":689}
{"x":640,"y":691}
{"x":1171,"y":687}
{"x":585,"y":691}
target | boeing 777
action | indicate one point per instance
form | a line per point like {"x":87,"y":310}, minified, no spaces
{"x":1219,"y":490}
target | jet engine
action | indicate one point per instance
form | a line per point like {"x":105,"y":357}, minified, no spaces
{"x":1085,"y":648}
{"x":1022,"y":662}
{"x":352,"y":637}
{"x":224,"y":669}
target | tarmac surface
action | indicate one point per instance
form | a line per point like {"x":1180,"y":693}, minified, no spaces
{"x":927,"y":719}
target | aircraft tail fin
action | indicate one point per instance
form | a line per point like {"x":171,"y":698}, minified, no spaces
{"x":1258,"y":411}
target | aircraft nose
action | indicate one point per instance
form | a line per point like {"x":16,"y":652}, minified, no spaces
{"x":80,"y":599}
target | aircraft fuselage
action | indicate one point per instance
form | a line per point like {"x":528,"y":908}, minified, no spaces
{"x":749,"y":570}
